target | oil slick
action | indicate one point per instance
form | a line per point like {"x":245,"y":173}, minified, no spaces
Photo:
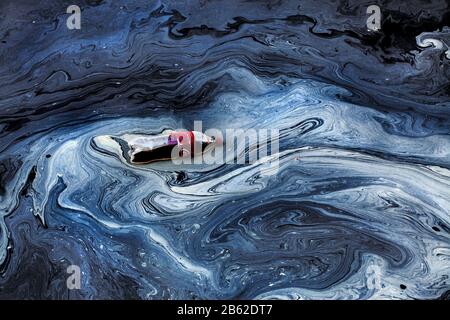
{"x":358,"y":208}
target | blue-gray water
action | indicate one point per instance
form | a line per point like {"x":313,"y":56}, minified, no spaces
{"x":360,"y":205}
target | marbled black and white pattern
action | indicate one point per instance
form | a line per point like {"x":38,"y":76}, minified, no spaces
{"x":358,"y":209}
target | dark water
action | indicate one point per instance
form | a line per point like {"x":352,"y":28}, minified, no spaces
{"x":358,"y":209}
